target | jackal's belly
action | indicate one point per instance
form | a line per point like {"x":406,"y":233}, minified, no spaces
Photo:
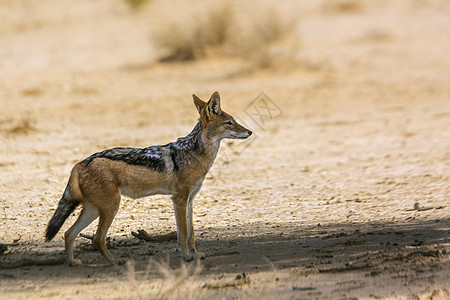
{"x":139,"y":193}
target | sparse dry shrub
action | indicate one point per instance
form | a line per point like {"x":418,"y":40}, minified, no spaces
{"x":273,"y":27}
{"x":184,"y":43}
{"x":270,"y":40}
{"x":217,"y":28}
{"x":179,"y":45}
{"x":258,"y":42}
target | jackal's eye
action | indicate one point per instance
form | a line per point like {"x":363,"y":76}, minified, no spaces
{"x":229,"y":123}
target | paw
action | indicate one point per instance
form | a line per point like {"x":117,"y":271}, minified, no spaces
{"x":188,"y":256}
{"x":75,"y":262}
{"x":199,"y":255}
{"x":117,"y":262}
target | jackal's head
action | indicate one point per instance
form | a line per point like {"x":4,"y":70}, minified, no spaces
{"x":216,"y":123}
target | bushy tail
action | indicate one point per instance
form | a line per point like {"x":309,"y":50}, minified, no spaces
{"x":70,"y":200}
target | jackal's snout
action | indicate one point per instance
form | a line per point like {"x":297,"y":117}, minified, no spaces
{"x":241,"y":132}
{"x":241,"y":136}
{"x":247,"y":134}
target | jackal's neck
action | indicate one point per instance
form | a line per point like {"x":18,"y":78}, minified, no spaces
{"x":197,"y":142}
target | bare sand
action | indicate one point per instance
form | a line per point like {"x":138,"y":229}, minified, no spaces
{"x":341,"y":193}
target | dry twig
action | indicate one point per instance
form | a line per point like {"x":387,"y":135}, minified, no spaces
{"x":143,"y":235}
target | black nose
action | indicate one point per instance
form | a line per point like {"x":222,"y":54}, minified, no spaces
{"x":249,"y":133}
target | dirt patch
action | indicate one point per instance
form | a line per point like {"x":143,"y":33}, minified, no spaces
{"x":342,"y":191}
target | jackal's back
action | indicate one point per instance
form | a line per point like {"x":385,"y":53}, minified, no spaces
{"x":150,"y":157}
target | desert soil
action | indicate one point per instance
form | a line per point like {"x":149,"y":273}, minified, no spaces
{"x":341,"y":193}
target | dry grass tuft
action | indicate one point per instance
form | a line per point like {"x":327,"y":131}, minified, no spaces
{"x":24,"y":127}
{"x":136,"y":5}
{"x":179,"y":283}
{"x":259,"y":41}
{"x":33,"y":92}
{"x":342,"y":6}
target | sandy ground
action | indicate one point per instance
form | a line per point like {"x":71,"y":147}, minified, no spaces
{"x":341,"y":193}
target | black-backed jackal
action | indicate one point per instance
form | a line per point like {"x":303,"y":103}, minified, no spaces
{"x":176,"y":169}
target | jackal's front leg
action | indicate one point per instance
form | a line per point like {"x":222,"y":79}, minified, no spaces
{"x":190,"y":231}
{"x":190,"y":228}
{"x":180,"y":207}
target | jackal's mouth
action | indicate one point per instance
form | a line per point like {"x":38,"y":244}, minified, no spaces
{"x":242,"y":136}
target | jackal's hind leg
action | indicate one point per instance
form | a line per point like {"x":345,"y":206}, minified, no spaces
{"x":87,"y":216}
{"x":106,"y":217}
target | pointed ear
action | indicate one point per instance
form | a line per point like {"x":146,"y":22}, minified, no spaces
{"x":214,"y":103}
{"x":199,"y":103}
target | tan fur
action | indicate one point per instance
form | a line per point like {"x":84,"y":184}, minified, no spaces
{"x":98,"y":184}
